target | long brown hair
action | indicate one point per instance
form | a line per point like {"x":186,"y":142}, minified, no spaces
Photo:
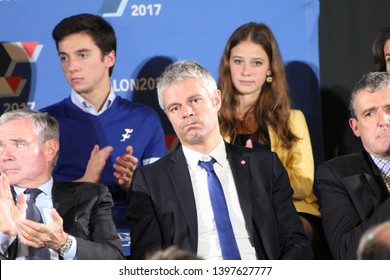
{"x":273,"y":106}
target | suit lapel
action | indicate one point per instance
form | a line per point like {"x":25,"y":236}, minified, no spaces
{"x":373,"y":176}
{"x":359,"y":191}
{"x":253,"y":197}
{"x":367,"y":188}
{"x":239,"y":165}
{"x":179,"y":175}
{"x":65,"y":202}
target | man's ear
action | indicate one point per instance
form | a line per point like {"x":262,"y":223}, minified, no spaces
{"x":217,"y":98}
{"x":52,"y":147}
{"x":354,"y":124}
{"x":110,"y":59}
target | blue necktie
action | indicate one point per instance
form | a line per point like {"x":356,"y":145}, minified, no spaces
{"x":221,"y":214}
{"x":33,"y":214}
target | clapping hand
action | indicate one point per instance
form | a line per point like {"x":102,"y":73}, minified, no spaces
{"x":9,"y":212}
{"x":96,"y":164}
{"x":125,"y":166}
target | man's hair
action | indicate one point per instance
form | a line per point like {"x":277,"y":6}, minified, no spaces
{"x":371,"y":247}
{"x":45,"y":126}
{"x":183,"y":70}
{"x":372,"y":82}
{"x":98,"y":28}
{"x":172,"y":253}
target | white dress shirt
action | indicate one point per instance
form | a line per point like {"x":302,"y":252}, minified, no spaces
{"x":208,"y":241}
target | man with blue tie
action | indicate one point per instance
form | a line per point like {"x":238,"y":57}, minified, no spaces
{"x":40,"y":218}
{"x":209,"y":197}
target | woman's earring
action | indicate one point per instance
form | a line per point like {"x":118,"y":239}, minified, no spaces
{"x":269,"y":79}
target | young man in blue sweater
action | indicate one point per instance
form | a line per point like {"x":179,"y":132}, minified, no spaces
{"x":103,"y":137}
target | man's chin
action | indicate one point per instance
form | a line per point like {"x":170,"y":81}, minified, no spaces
{"x":194,"y":140}
{"x":11,"y":175}
{"x":385,"y":153}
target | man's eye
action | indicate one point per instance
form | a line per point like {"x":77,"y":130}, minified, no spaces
{"x":63,"y":58}
{"x":368,"y":114}
{"x":174,"y":109}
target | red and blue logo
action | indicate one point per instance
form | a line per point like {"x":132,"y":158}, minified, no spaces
{"x":13,"y":76}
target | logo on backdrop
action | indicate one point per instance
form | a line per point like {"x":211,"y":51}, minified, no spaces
{"x":12,"y":81}
{"x":113,"y":8}
{"x":17,"y":60}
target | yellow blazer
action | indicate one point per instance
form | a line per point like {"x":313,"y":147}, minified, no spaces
{"x":299,"y":163}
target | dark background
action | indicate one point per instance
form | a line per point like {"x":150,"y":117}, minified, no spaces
{"x":347,"y":29}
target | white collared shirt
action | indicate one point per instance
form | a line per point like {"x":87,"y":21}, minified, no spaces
{"x":208,"y":241}
{"x":80,"y":102}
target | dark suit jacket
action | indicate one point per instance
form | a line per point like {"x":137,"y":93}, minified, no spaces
{"x":86,"y":212}
{"x":352,"y":198}
{"x":162,"y":209}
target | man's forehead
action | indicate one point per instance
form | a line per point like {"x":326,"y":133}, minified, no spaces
{"x":184,"y":88}
{"x":377,"y":95}
{"x":75,"y":43}
{"x":16,"y":127}
{"x":366,"y":99}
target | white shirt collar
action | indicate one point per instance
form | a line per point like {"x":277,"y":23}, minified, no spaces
{"x":193,"y":157}
{"x":45,"y":188}
{"x":80,"y":102}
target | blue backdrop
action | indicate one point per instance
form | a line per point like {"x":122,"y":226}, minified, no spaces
{"x":152,"y":34}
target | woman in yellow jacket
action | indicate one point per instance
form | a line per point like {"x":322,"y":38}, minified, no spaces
{"x":256,"y":112}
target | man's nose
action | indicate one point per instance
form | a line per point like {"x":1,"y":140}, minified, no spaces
{"x":384,"y":119}
{"x":7,"y":154}
{"x":187,"y":111}
{"x":73,"y":65}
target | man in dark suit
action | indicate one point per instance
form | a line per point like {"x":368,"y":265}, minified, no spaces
{"x":169,"y":201}
{"x":75,"y":218}
{"x":353,"y":190}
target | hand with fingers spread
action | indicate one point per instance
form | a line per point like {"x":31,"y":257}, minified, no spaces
{"x":9,"y":212}
{"x":96,"y":164}
{"x":125,"y":166}
{"x":39,"y":235}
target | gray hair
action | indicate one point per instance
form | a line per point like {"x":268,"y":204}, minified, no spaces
{"x":172,"y":253}
{"x":371,"y":247}
{"x":45,"y":126}
{"x":372,"y":82}
{"x":183,"y":70}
